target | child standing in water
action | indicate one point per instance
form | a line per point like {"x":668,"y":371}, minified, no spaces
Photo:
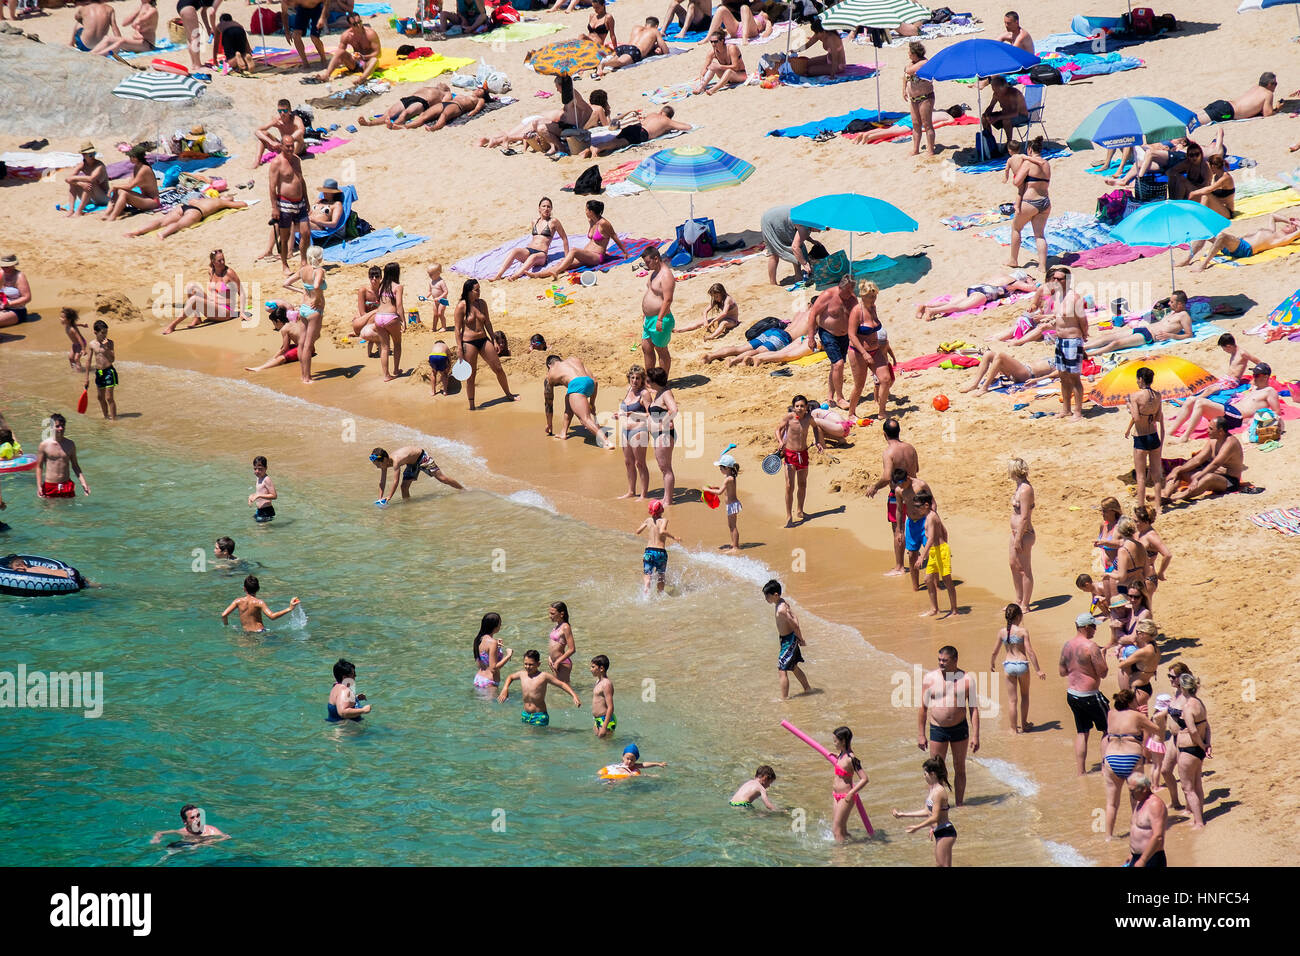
{"x":99,"y":359}
{"x":787,"y":629}
{"x":343,"y":695}
{"x":251,"y":607}
{"x":438,"y":293}
{"x":562,"y":646}
{"x":263,"y":492}
{"x":534,"y":684}
{"x":755,"y":789}
{"x":71,"y":326}
{"x":602,"y":697}
{"x":654,"y":562}
{"x":943,"y":833}
{"x":844,"y":791}
{"x":727,"y":492}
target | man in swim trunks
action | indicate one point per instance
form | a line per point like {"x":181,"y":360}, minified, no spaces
{"x":301,"y":17}
{"x":648,"y":126}
{"x":755,"y":789}
{"x":1146,"y":835}
{"x":286,"y":123}
{"x":251,"y":608}
{"x":358,"y":51}
{"x":1084,"y":666}
{"x":994,"y":365}
{"x":898,"y":454}
{"x":1281,"y":231}
{"x":579,"y":397}
{"x":1006,"y":109}
{"x":263,"y":492}
{"x":195,"y":829}
{"x":693,"y":21}
{"x":791,"y":639}
{"x":657,"y":309}
{"x":946,"y":694}
{"x":792,"y":441}
{"x":602,"y":697}
{"x":288,"y":189}
{"x":935,"y":557}
{"x":1216,"y":468}
{"x":407,"y":463}
{"x":1257,"y":101}
{"x":1240,"y":407}
{"x":1173,"y":327}
{"x":88,"y":183}
{"x":1071,"y":326}
{"x":534,"y":681}
{"x":830,"y":324}
{"x":100,"y":356}
{"x":94,"y":21}
{"x":54,"y":457}
{"x":645,"y":41}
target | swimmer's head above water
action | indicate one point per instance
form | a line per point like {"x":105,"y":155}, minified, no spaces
{"x":224,"y":547}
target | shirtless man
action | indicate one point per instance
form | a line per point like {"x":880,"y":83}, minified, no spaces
{"x":996,"y":364}
{"x":288,"y":189}
{"x":792,"y":439}
{"x":946,"y":694}
{"x":358,"y":51}
{"x":898,"y":455}
{"x":1070,"y":322}
{"x":657,"y":310}
{"x":534,"y":681}
{"x":1017,"y":35}
{"x":1083,"y":666}
{"x":910,"y":516}
{"x":1237,"y":410}
{"x":1173,"y":327}
{"x":1281,"y":231}
{"x":407,"y":463}
{"x":88,"y":183}
{"x":195,"y":829}
{"x":94,"y":21}
{"x":832,"y":63}
{"x":305,"y":17}
{"x":579,"y":397}
{"x":1146,"y":835}
{"x":143,"y":24}
{"x":1215,"y":469}
{"x":647,"y":127}
{"x":1257,"y":101}
{"x":286,"y":123}
{"x":645,"y":41}
{"x":413,"y":110}
{"x":140,"y":190}
{"x":830,"y":323}
{"x":187,"y":214}
{"x":698,"y":17}
{"x":1006,"y":109}
{"x":251,"y":608}
{"x":54,"y":457}
{"x":1238,"y":360}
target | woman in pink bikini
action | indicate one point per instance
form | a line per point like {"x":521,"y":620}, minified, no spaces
{"x":562,"y":646}
{"x":843,"y":789}
{"x":386,"y":329}
{"x":600,"y":234}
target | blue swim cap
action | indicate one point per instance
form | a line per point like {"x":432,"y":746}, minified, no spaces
{"x":631,"y":749}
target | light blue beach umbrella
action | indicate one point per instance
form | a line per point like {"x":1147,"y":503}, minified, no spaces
{"x":852,"y":213}
{"x":1168,"y":224}
{"x":1268,"y":4}
{"x":975,"y":60}
{"x":1131,"y":120}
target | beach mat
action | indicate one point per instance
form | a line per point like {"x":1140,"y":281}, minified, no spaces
{"x":485,"y":265}
{"x":906,"y":136}
{"x":164,"y":165}
{"x":852,"y":73}
{"x":372,"y":9}
{"x":836,"y":124}
{"x":1266,"y":256}
{"x":1266,"y":203}
{"x":958,"y":26}
{"x":161,"y":45}
{"x":721,"y":261}
{"x":1110,"y":254}
{"x":1000,"y":163}
{"x":942,"y":299}
{"x":671,"y":93}
{"x":381,"y":242}
{"x":1066,"y":232}
{"x":417,"y":71}
{"x":221,"y":213}
{"x":1283,"y":520}
{"x":1201,"y":332}
{"x":518,"y":32}
{"x":990,"y":217}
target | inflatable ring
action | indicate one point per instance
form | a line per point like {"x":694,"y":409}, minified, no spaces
{"x":616,"y":771}
{"x":33,"y":583}
{"x":20,"y":463}
{"x":167,"y":66}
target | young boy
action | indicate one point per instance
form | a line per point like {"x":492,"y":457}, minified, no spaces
{"x":72,"y":327}
{"x":440,"y":363}
{"x":787,"y":629}
{"x":602,"y":697}
{"x":251,"y":607}
{"x":224,"y":549}
{"x":534,"y":682}
{"x":263,"y":492}
{"x":727,"y":491}
{"x":407,"y":463}
{"x":792,"y":435}
{"x":100,"y":357}
{"x":754,"y":789}
{"x":936,"y":556}
{"x":654,"y":562}
{"x":1096,"y":592}
{"x":438,"y":293}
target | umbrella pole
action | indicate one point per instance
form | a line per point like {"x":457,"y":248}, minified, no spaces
{"x":878,"y":80}
{"x":1173,"y":284}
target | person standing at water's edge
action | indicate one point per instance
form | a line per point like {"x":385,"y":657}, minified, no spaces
{"x":657,"y":307}
{"x":1083,"y":665}
{"x":897,"y":454}
{"x":946,"y":693}
{"x":602,"y":697}
{"x":562,"y":646}
{"x":54,"y":457}
{"x":534,"y":682}
{"x":1022,"y":533}
{"x":1146,"y":837}
{"x":791,"y":636}
{"x":844,"y":789}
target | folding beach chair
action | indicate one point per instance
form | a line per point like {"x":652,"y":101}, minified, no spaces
{"x":1035,"y":102}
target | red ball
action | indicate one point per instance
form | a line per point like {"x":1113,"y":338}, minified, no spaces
{"x":941,"y":403}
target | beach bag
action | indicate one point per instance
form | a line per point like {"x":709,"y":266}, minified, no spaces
{"x":830,"y":270}
{"x":1142,"y":21}
{"x":986,"y":146}
{"x":1264,"y":426}
{"x":1110,"y":207}
{"x":589,"y":183}
{"x":763,"y":325}
{"x":702,"y":247}
{"x":940,"y":15}
{"x":355,"y":226}
{"x":496,"y":82}
{"x":505,"y":13}
{"x":1044,"y":74}
{"x":264,"y":21}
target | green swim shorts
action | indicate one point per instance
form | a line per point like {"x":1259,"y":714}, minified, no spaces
{"x":658,"y":339}
{"x":613,"y":722}
{"x":539,"y":719}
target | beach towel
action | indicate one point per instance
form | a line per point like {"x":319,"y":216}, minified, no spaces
{"x":485,"y":265}
{"x":1201,"y":332}
{"x":906,"y":135}
{"x":836,"y":124}
{"x":923,"y":362}
{"x":852,"y":72}
{"x":669,"y":94}
{"x":720,"y":261}
{"x":372,"y":9}
{"x":165,"y":165}
{"x":1249,"y":188}
{"x":1118,"y":167}
{"x":1072,"y":44}
{"x":1014,"y":297}
{"x":220,"y":213}
{"x":990,"y":217}
{"x":957,"y":26}
{"x":815,"y":359}
{"x":1283,"y":520}
{"x":278,"y":56}
{"x":1267,"y":203}
{"x":1111,"y":254}
{"x":22,"y":163}
{"x":861,"y":267}
{"x":1066,"y":232}
{"x":612,"y":176}
{"x":417,"y":71}
{"x":314,"y":149}
{"x":518,"y":32}
{"x":381,"y":242}
{"x":1266,"y":256}
{"x":161,"y":45}
{"x":1000,"y":163}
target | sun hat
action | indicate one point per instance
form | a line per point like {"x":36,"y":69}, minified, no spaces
{"x":9,"y":261}
{"x":1119,"y":600}
{"x":726,"y":461}
{"x":1110,"y":504}
{"x":87,"y":147}
{"x":332,"y":185}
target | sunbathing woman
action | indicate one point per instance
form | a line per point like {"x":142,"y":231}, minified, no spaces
{"x":1035,"y":322}
{"x":1034,"y":205}
{"x":724,"y":62}
{"x":992,"y":289}
{"x":599,"y":236}
{"x":1218,"y":194}
{"x":720,"y":316}
{"x":748,"y":27}
{"x":534,"y":255}
{"x":422,"y":106}
{"x":529,"y":126}
{"x":996,"y":364}
{"x":222,"y":299}
{"x":187,"y":214}
{"x":291,"y":333}
{"x":774,"y":345}
{"x":475,"y":337}
{"x":470,"y":104}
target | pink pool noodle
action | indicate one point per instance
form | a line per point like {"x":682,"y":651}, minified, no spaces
{"x":857,"y":799}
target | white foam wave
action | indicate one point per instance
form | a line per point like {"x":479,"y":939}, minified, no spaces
{"x":1062,"y":854}
{"x":532,"y":499}
{"x":1008,"y":773}
{"x":748,"y":569}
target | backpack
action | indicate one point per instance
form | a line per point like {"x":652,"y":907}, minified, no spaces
{"x":264,"y":21}
{"x":702,"y":247}
{"x":589,"y":183}
{"x":763,"y":325}
{"x":356,"y":226}
{"x":1045,"y":74}
{"x":1167,"y":23}
{"x":1110,"y":207}
{"x":986,"y":146}
{"x":1142,"y":21}
{"x":940,"y":15}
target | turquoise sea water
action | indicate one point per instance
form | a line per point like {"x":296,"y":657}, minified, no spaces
{"x":194,"y":712}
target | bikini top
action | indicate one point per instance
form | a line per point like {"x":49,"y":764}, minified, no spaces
{"x":1009,"y":638}
{"x":1015,"y":504}
{"x":546,"y":229}
{"x":600,"y":29}
{"x":1038,"y":179}
{"x":311,"y":288}
{"x":1137,"y":737}
{"x":557,"y":635}
{"x":595,"y":235}
{"x":1223,"y":193}
{"x":634,"y":407}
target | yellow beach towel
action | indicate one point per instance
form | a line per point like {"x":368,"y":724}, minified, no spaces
{"x":1267,"y":203}
{"x":415,"y":71}
{"x":813,"y":359}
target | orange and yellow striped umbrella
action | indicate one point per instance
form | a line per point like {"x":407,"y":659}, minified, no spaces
{"x":1175,"y":378}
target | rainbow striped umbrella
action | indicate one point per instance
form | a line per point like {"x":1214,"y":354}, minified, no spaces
{"x":566,"y":57}
{"x":1175,"y":378}
{"x":1287,"y":311}
{"x":690,"y":169}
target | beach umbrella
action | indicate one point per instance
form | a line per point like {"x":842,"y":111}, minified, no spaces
{"x":690,"y":169}
{"x":852,"y":213}
{"x":1131,"y":120}
{"x":976,"y":60}
{"x":1267,"y":4}
{"x":566,"y":57}
{"x":163,"y":87}
{"x":1175,"y":378}
{"x":1168,"y":224}
{"x":1287,"y":312}
{"x":873,"y":14}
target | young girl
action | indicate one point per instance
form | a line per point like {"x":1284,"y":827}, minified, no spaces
{"x":489,"y":653}
{"x":438,"y":293}
{"x":1020,"y":655}
{"x":843,"y":789}
{"x":386,"y":327}
{"x":942,"y":832}
{"x":562,"y":646}
{"x":719,"y":317}
{"x":727,"y":491}
{"x":70,"y":325}
{"x":311,"y":313}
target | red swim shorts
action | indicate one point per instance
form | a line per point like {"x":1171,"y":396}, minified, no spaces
{"x":64,"y":489}
{"x":891,"y":509}
{"x":798,"y":460}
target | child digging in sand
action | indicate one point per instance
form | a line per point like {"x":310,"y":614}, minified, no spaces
{"x":727,"y":491}
{"x":440,"y":366}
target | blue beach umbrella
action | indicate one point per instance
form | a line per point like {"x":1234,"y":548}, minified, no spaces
{"x":1268,"y":4}
{"x":852,"y":213}
{"x":690,"y":169}
{"x":1131,"y":120}
{"x":976,"y":59}
{"x":1168,"y":224}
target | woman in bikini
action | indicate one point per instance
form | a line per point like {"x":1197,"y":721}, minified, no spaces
{"x":1138,"y":662}
{"x":474,"y":337}
{"x":1107,"y":541}
{"x":186,"y":214}
{"x":1193,"y":742}
{"x":742,"y":26}
{"x":868,"y":349}
{"x":312,"y":310}
{"x":1191,"y":172}
{"x":919,"y":93}
{"x":1147,"y":423}
{"x":992,"y":289}
{"x":662,"y":412}
{"x":489,"y":653}
{"x":1022,"y":533}
{"x":600,"y":234}
{"x":633,"y":416}
{"x":844,"y":788}
{"x":1126,"y":728}
{"x":385,"y":329}
{"x":533,"y":256}
{"x":420,"y":107}
{"x":1218,"y":194}
{"x":562,"y":646}
{"x":1130,"y":559}
{"x":942,"y":832}
{"x":466,"y":105}
{"x":1144,"y":517}
{"x":600,"y":26}
{"x":1033,"y":205}
{"x":724,"y":62}
{"x":223,"y":298}
{"x":720,"y":316}
{"x":1014,"y":639}
{"x":367,"y":304}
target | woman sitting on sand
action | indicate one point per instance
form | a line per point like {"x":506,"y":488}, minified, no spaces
{"x":600,"y":234}
{"x":600,"y":26}
{"x":992,"y":289}
{"x":724,"y":62}
{"x":385,"y":329}
{"x":312,"y":310}
{"x":187,"y":214}
{"x":223,"y":298}
{"x":533,"y":256}
{"x":291,"y":332}
{"x":1218,"y":194}
{"x":719,"y":317}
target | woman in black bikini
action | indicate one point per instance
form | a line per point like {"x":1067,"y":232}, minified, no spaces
{"x":1192,"y":740}
{"x":1147,"y":424}
{"x":600,"y":26}
{"x":1033,"y":205}
{"x":1130,"y":559}
{"x":533,"y":256}
{"x":474,"y":337}
{"x":634,"y":419}
{"x":421,"y":107}
{"x":1219,"y":193}
{"x":470,"y":104}
{"x":919,"y":92}
{"x":1192,"y":172}
{"x":662,"y":411}
{"x":600,"y":234}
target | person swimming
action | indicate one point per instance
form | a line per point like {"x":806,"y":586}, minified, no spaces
{"x":343,"y":696}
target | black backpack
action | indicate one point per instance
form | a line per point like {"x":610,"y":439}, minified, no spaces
{"x":1045,"y":74}
{"x":940,"y":15}
{"x":589,"y":184}
{"x":763,"y":325}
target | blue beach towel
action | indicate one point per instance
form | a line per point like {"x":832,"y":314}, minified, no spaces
{"x":1066,"y":232}
{"x":836,"y":124}
{"x":160,"y":46}
{"x":381,"y":242}
{"x":372,"y":9}
{"x":999,"y":164}
{"x":854,"y":71}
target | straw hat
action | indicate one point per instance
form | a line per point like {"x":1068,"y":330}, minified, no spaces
{"x":9,"y":261}
{"x":87,"y":147}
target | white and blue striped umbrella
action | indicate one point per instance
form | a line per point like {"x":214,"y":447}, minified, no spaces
{"x":1268,"y":4}
{"x":163,"y":87}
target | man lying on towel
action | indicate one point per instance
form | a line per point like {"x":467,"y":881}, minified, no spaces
{"x":1257,"y":101}
{"x":1176,"y":325}
{"x":1216,"y":468}
{"x":650,"y":126}
{"x":1281,"y":231}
